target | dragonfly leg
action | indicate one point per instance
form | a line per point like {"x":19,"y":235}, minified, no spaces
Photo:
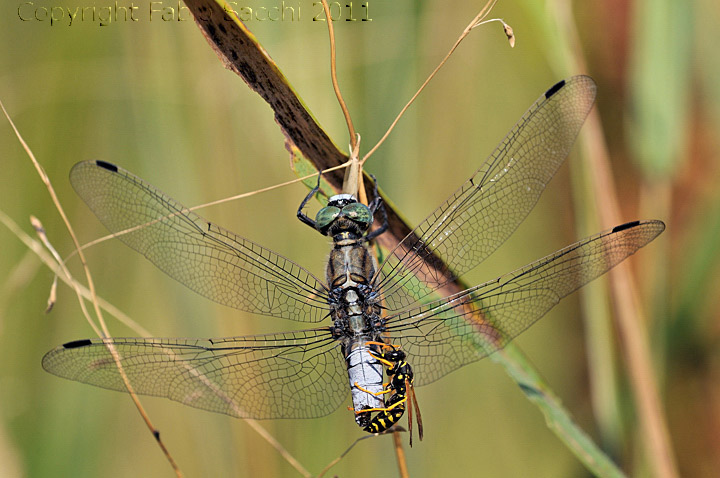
{"x":300,"y":214}
{"x":375,"y":205}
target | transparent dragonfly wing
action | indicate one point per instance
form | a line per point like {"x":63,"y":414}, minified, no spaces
{"x":288,"y":375}
{"x":446,"y":334}
{"x":210,"y":260}
{"x":488,"y":208}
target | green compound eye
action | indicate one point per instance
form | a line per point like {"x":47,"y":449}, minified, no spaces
{"x":325,"y":217}
{"x":358,"y":213}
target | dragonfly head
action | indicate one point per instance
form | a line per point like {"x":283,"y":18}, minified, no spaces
{"x":343,"y":214}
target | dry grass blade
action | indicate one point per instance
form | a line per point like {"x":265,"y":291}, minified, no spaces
{"x":46,"y":180}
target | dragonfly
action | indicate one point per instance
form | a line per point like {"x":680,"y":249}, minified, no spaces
{"x":386,"y":318}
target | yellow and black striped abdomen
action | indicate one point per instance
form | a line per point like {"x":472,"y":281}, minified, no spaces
{"x":388,"y":417}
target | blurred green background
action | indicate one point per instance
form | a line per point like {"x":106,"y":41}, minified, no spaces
{"x":152,"y":97}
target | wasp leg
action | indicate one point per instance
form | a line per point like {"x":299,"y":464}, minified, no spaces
{"x":395,"y":404}
{"x":374,"y":394}
{"x":382,"y":344}
{"x":379,"y":358}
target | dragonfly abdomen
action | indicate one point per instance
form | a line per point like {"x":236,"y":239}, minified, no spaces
{"x":366,"y":375}
{"x":350,"y":268}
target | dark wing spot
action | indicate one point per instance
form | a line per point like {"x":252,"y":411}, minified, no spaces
{"x":627,"y":225}
{"x":108,"y":166}
{"x":554,"y":88}
{"x":77,"y":343}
